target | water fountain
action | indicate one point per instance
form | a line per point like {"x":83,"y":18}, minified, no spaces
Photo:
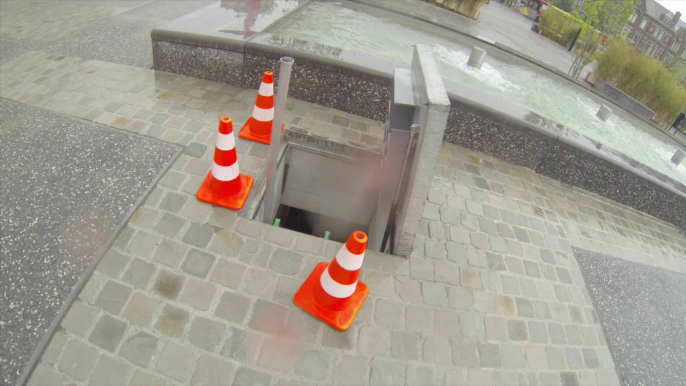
{"x":510,"y":108}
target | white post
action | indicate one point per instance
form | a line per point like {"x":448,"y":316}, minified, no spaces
{"x":476,"y":58}
{"x":604,"y":113}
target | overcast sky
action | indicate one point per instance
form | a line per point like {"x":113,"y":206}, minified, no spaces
{"x":675,"y":5}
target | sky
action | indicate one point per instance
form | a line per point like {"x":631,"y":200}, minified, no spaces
{"x":674,"y":5}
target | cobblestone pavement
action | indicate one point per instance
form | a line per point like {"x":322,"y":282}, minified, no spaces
{"x":191,"y":293}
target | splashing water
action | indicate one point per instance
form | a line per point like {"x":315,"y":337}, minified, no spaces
{"x":381,"y":36}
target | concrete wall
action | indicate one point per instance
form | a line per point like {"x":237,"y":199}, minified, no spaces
{"x":624,"y":100}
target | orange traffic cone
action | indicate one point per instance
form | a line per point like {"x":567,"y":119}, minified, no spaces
{"x":258,"y":128}
{"x":332,"y":292}
{"x":224,"y":185}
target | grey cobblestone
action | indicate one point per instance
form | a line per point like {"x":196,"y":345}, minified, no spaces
{"x":79,"y":319}
{"x":168,"y":285}
{"x":206,"y":333}
{"x":212,"y":370}
{"x":199,"y":294}
{"x":110,"y":371}
{"x":388,"y":314}
{"x":385,"y":372}
{"x":285,"y":261}
{"x":351,"y":370}
{"x":419,"y":375}
{"x":172,"y":321}
{"x":139,"y":273}
{"x":170,"y":253}
{"x":227,"y":244}
{"x":198,"y":235}
{"x":140,"y":309}
{"x":406,"y":345}
{"x":313,"y":364}
{"x":108,"y":333}
{"x":246,"y":376}
{"x":113,"y":297}
{"x":175,"y":362}
{"x":198,"y":263}
{"x":344,"y":340}
{"x":233,"y":307}
{"x":78,"y":359}
{"x":139,"y":348}
{"x":241,"y":345}
{"x":113,"y":263}
{"x":54,"y":348}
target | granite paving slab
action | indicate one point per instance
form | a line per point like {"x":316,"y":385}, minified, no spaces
{"x":65,"y":184}
{"x":643,"y":312}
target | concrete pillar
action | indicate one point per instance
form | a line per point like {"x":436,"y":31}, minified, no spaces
{"x":678,"y":157}
{"x":604,"y":113}
{"x":476,"y":59}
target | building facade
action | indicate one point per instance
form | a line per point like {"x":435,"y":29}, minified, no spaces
{"x":658,"y":32}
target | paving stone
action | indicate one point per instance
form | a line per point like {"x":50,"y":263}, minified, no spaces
{"x":435,"y":249}
{"x":521,"y":234}
{"x":170,"y":253}
{"x":456,"y":377}
{"x":538,"y":331}
{"x":436,"y":349}
{"x":385,"y":372}
{"x":308,"y":244}
{"x":139,"y":273}
{"x":108,"y":333}
{"x":144,"y":217}
{"x":496,"y":329}
{"x":246,"y":376}
{"x":574,"y":335}
{"x":43,"y":375}
{"x":590,"y":358}
{"x":241,"y":345}
{"x":574,"y":359}
{"x":344,"y":340}
{"x":569,"y":379}
{"x":351,"y":370}
{"x":556,"y":358}
{"x":435,"y":294}
{"x":480,"y":377}
{"x":313,"y":364}
{"x":528,"y":287}
{"x":460,"y":298}
{"x":279,"y":353}
{"x":255,"y":253}
{"x":536,"y":358}
{"x":374,"y":341}
{"x":504,"y":305}
{"x":465,"y":353}
{"x":421,"y":268}
{"x":446,"y":322}
{"x":419,"y":375}
{"x":510,"y":285}
{"x":175,"y":362}
{"x":228,"y":273}
{"x":577,"y":315}
{"x":113,"y":297}
{"x":513,"y":356}
{"x":563,"y":275}
{"x":54,"y":348}
{"x":470,"y":277}
{"x":206,"y":333}
{"x":143,"y":244}
{"x":172,"y":321}
{"x":484,"y":302}
{"x":140,"y":309}
{"x":250,"y":228}
{"x":557,"y":333}
{"x":167,"y":285}
{"x":419,"y":318}
{"x":406,"y":345}
{"x":173,"y":180}
{"x":525,"y":308}
{"x":195,"y":210}
{"x":199,"y":294}
{"x":232,"y":307}
{"x":198,"y":263}
{"x":139,"y":349}
{"x":286,"y":261}
{"x":78,"y":359}
{"x":198,"y":235}
{"x":480,"y":240}
{"x":388,"y":314}
{"x":110,"y":371}
{"x":195,"y":149}
{"x":212,"y":370}
{"x":531,"y":269}
{"x":113,"y":263}
{"x":489,"y":354}
{"x":259,"y":282}
{"x":222,"y":218}
{"x":303,"y":326}
{"x":227,"y":243}
{"x":472,"y":325}
{"x":79,"y":319}
{"x":268,"y":317}
{"x":516,"y":329}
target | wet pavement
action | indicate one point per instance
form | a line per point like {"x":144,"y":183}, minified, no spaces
{"x":491,"y":293}
{"x":65,"y":185}
{"x":643,"y":312}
